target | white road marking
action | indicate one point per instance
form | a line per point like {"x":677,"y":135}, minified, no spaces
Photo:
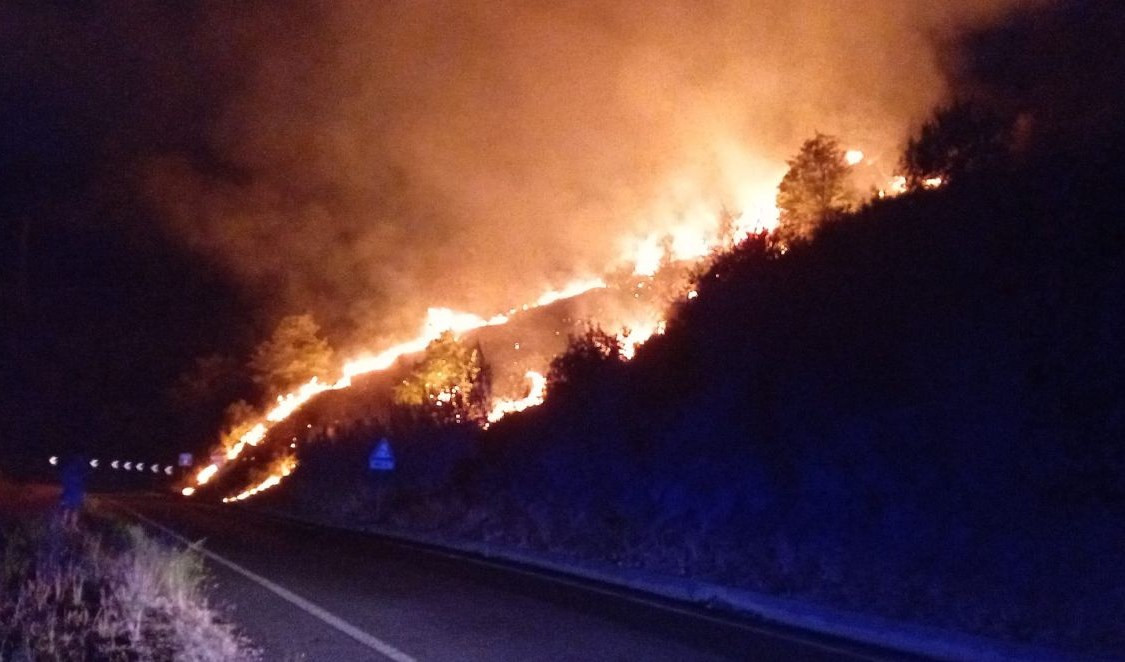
{"x":328,"y":617}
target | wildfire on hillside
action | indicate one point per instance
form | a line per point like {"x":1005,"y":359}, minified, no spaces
{"x":438,"y":321}
{"x":695,"y":239}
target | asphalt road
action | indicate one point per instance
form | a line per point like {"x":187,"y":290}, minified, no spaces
{"x":351,"y":596}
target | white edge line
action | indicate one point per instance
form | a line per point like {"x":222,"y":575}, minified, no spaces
{"x":328,"y":617}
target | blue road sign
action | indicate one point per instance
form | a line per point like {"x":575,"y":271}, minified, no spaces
{"x":382,"y":458}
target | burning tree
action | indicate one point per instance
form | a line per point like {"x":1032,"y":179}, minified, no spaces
{"x":294,"y":354}
{"x":451,"y":384}
{"x":816,"y":188}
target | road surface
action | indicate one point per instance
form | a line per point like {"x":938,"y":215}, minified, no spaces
{"x":308,"y":593}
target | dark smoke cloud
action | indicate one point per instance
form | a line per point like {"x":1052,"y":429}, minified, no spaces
{"x":375,"y":158}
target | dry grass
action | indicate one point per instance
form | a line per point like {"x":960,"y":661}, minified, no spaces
{"x":119,"y":595}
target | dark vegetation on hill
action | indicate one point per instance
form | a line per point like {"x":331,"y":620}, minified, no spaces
{"x":920,"y":412}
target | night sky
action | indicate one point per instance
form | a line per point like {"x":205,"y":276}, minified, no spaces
{"x":101,"y":309}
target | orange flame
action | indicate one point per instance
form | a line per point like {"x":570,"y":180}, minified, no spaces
{"x":572,"y":290}
{"x":635,"y":337}
{"x":280,"y":470}
{"x":205,"y":474}
{"x":534,"y":398}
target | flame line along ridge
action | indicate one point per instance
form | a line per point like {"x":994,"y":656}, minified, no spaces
{"x":440,"y":320}
{"x":437,"y":321}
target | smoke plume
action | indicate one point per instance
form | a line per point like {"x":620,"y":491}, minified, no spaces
{"x":366,"y":160}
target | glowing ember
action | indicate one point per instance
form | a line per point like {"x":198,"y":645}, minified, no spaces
{"x":932,"y":182}
{"x":853,"y":157}
{"x":188,"y":491}
{"x":534,"y":398}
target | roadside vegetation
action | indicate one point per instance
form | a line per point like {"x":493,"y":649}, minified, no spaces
{"x":115,"y":594}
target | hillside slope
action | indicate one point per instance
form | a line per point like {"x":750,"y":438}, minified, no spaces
{"x":917,"y":414}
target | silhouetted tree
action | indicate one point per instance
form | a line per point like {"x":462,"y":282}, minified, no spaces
{"x":451,"y":384}
{"x":210,"y":379}
{"x":815,"y":188}
{"x":959,"y":138}
{"x":586,"y":355}
{"x":292,"y":355}
{"x":201,"y":391}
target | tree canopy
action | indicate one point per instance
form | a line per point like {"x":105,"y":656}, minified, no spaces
{"x":452,"y":383}
{"x":816,"y":187}
{"x":292,"y":355}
